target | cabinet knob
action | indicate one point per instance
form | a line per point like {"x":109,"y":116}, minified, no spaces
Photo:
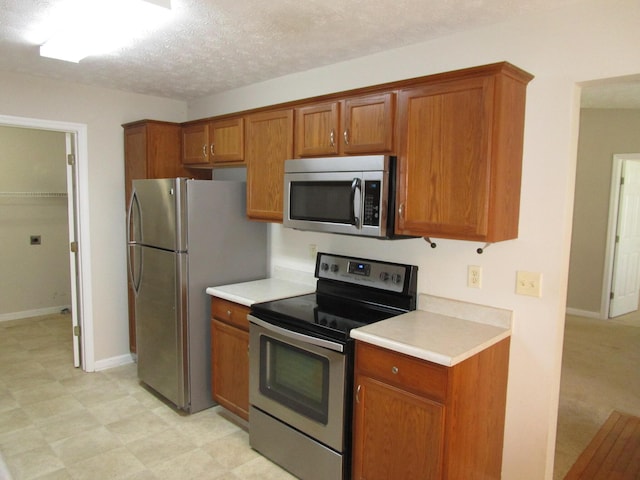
{"x":212,"y":150}
{"x":358,"y":394}
{"x":345,"y":135}
{"x":394,"y":370}
{"x":401,"y":210}
{"x":204,"y":150}
{"x":228,"y":313}
{"x":332,"y":138}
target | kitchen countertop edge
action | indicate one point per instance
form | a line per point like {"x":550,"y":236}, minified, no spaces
{"x":263,"y":290}
{"x":447,"y":336}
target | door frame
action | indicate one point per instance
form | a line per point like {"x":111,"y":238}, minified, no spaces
{"x":612,"y":229}
{"x":83,"y":301}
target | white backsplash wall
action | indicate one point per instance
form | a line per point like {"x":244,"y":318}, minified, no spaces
{"x":34,"y":279}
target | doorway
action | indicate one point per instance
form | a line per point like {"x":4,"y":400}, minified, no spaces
{"x":81,"y":331}
{"x":622,"y":273}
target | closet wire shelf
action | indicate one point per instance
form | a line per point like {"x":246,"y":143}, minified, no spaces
{"x":33,"y":194}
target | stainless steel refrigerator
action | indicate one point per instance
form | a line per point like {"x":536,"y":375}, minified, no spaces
{"x":186,"y":235}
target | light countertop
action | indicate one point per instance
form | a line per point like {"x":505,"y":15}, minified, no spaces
{"x":248,"y":293}
{"x":442,"y":331}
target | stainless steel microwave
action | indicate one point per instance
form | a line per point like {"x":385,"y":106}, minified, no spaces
{"x":348,"y":195}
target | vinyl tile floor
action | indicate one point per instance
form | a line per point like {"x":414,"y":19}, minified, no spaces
{"x":58,"y":422}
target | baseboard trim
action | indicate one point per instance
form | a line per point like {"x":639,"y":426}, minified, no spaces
{"x":583,"y":313}
{"x":4,"y":317}
{"x":113,"y":362}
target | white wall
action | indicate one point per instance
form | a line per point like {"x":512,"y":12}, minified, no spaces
{"x":103,"y":111}
{"x":594,"y":39}
{"x":34,"y":279}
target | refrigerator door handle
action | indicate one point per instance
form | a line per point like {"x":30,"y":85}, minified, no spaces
{"x":133,"y":229}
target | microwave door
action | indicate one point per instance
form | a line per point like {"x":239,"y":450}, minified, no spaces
{"x":325,"y":202}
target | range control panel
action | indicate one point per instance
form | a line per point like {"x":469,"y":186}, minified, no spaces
{"x":393,"y":277}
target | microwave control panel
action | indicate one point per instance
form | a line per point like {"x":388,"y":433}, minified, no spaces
{"x":371,"y":214}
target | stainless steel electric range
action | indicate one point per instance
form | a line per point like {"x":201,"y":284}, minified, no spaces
{"x":301,"y":362}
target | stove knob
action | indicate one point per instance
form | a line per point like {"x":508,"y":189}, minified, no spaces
{"x":396,"y":278}
{"x":324,"y":266}
{"x":334,"y":268}
{"x":384,"y":276}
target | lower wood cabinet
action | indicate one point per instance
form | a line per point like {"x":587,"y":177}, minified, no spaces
{"x":230,"y":356}
{"x":414,"y":419}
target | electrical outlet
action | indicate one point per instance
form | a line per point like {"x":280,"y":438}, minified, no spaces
{"x":313,"y":251}
{"x":529,"y":283}
{"x":474,"y":276}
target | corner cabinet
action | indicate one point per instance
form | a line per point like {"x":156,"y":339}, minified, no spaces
{"x":269,"y":142}
{"x":230,"y":356}
{"x":355,"y":125}
{"x":414,"y":419}
{"x":460,"y":154}
{"x":151,"y":150}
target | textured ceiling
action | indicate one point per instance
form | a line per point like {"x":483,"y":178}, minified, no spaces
{"x":215,"y":45}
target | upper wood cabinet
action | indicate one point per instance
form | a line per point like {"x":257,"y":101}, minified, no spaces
{"x":211,"y":143}
{"x":269,"y":142}
{"x":460,"y":154}
{"x":355,"y":125}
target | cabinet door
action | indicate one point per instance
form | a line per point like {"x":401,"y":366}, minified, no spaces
{"x":269,"y":142}
{"x":317,"y":130}
{"x":396,"y":434}
{"x":195,"y":144}
{"x":368,"y":124}
{"x":227,"y":141}
{"x":230,"y":367}
{"x":444,"y":181}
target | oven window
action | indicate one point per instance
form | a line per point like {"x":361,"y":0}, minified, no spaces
{"x":295,"y":378}
{"x":323,"y":201}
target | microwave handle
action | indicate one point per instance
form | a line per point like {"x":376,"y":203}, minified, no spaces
{"x":355,"y":186}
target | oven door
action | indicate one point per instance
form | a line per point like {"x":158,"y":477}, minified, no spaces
{"x":299,"y":380}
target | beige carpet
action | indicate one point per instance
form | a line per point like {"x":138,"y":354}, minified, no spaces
{"x":600,"y":374}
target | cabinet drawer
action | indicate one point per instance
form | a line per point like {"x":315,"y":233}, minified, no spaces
{"x":230,"y":313}
{"x":403,"y":371}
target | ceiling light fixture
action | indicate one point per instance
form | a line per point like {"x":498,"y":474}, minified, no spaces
{"x":80,"y":28}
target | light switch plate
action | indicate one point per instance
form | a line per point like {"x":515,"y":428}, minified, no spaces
{"x":529,"y":283}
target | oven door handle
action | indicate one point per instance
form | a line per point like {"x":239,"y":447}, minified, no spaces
{"x":319,"y":342}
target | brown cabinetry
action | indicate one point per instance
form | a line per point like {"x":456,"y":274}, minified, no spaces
{"x":211,"y":143}
{"x":460,"y":154}
{"x":414,"y":419}
{"x":151,"y":150}
{"x":230,"y":356}
{"x":355,"y":125}
{"x":269,"y":142}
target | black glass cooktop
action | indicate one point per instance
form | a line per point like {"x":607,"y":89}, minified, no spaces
{"x":322,"y":315}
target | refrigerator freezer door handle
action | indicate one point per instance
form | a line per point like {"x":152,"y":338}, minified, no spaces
{"x":132,"y":230}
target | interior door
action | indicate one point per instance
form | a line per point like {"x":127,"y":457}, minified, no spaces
{"x":74,"y":246}
{"x":625,"y":291}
